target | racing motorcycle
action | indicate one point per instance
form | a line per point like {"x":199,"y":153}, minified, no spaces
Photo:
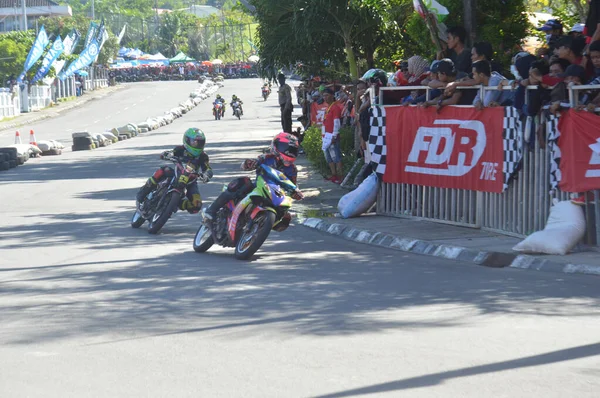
{"x":237,"y":109}
{"x":246,"y":224}
{"x":218,"y":110}
{"x":265,"y":93}
{"x":164,"y":200}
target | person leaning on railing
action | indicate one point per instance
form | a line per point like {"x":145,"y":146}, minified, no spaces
{"x":446,"y":74}
{"x":483,"y":75}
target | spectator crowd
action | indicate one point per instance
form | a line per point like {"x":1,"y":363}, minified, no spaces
{"x":568,"y":58}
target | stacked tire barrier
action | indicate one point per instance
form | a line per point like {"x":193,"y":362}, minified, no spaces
{"x":85,"y":141}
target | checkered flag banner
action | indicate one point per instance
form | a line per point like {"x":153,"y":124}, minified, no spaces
{"x":553,"y":134}
{"x":377,"y":145}
{"x":512,"y":137}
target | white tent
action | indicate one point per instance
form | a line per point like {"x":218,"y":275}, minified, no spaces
{"x":158,"y":57}
{"x":253,"y":58}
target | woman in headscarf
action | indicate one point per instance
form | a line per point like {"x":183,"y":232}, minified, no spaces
{"x":417,"y":67}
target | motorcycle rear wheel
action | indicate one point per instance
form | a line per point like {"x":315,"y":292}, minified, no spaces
{"x":251,"y":241}
{"x":203,"y":239}
{"x":160,"y":219}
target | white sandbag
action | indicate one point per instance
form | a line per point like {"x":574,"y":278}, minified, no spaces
{"x":57,"y":145}
{"x":144,"y":125}
{"x":564,"y":229}
{"x":110,"y":136}
{"x":45,"y":146}
{"x":354,"y":203}
{"x":132,"y":127}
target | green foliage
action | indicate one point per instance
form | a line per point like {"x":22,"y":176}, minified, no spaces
{"x":14,"y":47}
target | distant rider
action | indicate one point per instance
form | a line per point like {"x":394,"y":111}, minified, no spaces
{"x":280,"y":156}
{"x":235,"y":98}
{"x":191,"y":152}
{"x":220,"y":100}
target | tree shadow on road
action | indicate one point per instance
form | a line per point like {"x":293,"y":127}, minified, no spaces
{"x":288,"y":287}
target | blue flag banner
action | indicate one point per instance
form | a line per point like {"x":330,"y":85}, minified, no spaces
{"x":51,"y":56}
{"x":41,"y":41}
{"x":91,"y":34}
{"x":70,"y":42}
{"x":86,"y":57}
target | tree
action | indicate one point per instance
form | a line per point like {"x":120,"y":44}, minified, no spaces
{"x":14,"y":47}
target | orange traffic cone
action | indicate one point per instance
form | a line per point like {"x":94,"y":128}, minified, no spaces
{"x":18,"y":138}
{"x":32,"y":140}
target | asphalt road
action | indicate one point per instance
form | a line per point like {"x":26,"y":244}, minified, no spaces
{"x":92,"y":308}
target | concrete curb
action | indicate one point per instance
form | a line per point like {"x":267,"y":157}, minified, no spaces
{"x":416,"y":246}
{"x":57,"y":112}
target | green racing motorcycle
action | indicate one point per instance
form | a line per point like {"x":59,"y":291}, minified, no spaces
{"x":246,"y":224}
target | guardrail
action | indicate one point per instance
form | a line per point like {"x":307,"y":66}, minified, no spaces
{"x":39,"y":97}
{"x":10,"y":103}
{"x":522,"y":209}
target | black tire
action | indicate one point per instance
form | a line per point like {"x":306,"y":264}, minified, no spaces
{"x":157,"y":222}
{"x":4,"y":166}
{"x":244,"y":253}
{"x":4,"y":157}
{"x":216,"y":116}
{"x":12,"y":164}
{"x":202,"y":243}
{"x":137,"y":222}
{"x":239,"y":116}
{"x":11,"y":152}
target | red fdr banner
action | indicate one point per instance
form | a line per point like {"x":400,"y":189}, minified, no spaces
{"x":579,"y":144}
{"x":456,"y":148}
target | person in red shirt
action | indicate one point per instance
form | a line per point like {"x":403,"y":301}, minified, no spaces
{"x":330,"y":136}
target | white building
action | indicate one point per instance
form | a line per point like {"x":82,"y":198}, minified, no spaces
{"x":11,"y":13}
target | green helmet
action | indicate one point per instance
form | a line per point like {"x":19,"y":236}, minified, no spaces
{"x":194,"y":141}
{"x":218,"y":95}
{"x":234,"y":96}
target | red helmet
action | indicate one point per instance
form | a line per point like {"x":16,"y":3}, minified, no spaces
{"x":286,"y":147}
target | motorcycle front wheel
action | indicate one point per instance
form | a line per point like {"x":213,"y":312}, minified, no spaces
{"x":252,"y":240}
{"x":162,"y":215}
{"x":203,"y":239}
{"x":137,"y":220}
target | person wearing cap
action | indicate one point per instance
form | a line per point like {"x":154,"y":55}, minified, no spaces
{"x":577,"y":30}
{"x":446,"y":74}
{"x":330,"y":136}
{"x":553,"y":29}
{"x":571,"y":49}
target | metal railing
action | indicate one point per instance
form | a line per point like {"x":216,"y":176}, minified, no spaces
{"x":10,"y":103}
{"x":39,"y":97}
{"x":522,"y":209}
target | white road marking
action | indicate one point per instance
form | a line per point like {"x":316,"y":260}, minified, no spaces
{"x":126,"y":108}
{"x":96,"y":121}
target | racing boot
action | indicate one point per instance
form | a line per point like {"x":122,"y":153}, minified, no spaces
{"x":192,"y":206}
{"x":211,"y":211}
{"x":145,"y":190}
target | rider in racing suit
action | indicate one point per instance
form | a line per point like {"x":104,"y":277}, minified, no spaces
{"x":233,"y":99}
{"x":281,"y":156}
{"x":191,"y":152}
{"x":220,"y":100}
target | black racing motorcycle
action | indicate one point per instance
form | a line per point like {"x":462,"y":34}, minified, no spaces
{"x":163,"y":201}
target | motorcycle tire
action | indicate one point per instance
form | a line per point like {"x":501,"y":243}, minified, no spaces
{"x":159,"y":220}
{"x":137,"y":220}
{"x":247,"y":246}
{"x":201,"y":243}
